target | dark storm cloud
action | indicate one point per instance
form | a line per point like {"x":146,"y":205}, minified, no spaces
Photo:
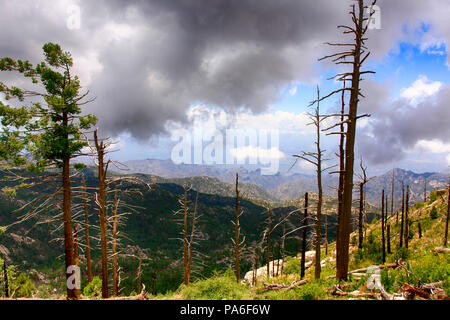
{"x":150,"y":60}
{"x":396,"y":126}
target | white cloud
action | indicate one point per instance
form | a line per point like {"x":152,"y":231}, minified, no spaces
{"x":285,"y":122}
{"x":448,"y":159}
{"x":420,"y":89}
{"x":293,"y":91}
{"x":433,"y":146}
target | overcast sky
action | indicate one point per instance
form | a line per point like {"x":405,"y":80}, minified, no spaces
{"x":157,"y":66}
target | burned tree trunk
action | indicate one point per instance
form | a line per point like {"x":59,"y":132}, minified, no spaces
{"x":268,"y":231}
{"x":383,"y":240}
{"x":341,"y":169}
{"x":101,"y":201}
{"x":304,"y":236}
{"x":191,"y":239}
{"x":388,"y":235}
{"x":76,"y":255}
{"x":356,"y":53}
{"x":86,"y":230}
{"x":360,"y":218}
{"x":420,"y":230}
{"x":5,"y":277}
{"x":403,"y":216}
{"x":185,"y":235}
{"x":67,"y":217}
{"x":392,"y":192}
{"x":236,"y":233}
{"x":448,"y":214}
{"x":114,"y":246}
{"x":406,"y":217}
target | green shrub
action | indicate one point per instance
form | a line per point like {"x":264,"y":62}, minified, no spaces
{"x":431,"y":268}
{"x":22,"y":286}
{"x":94,"y":288}
{"x":293,"y":266}
{"x":218,"y":287}
{"x":401,"y":253}
{"x":433,"y":213}
{"x":433,"y":196}
{"x":312,"y":291}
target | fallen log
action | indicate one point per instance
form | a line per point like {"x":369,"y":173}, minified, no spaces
{"x":363,"y":271}
{"x":413,"y":291}
{"x":382,"y":266}
{"x":355,"y":294}
{"x":441,"y":250}
{"x":282,"y":286}
{"x":142,"y":296}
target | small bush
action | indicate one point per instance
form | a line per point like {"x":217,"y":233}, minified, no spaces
{"x":219,"y":287}
{"x":433,"y":196}
{"x":94,"y":288}
{"x":433,"y":213}
{"x":293,"y":266}
{"x":401,"y":253}
{"x":312,"y":291}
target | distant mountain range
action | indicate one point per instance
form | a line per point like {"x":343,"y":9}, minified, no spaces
{"x":281,"y":186}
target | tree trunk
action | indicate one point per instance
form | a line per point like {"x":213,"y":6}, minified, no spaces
{"x":360,"y":220}
{"x":304,"y":236}
{"x":345,"y":221}
{"x":383,"y":243}
{"x":420,"y":230}
{"x":185,"y":233}
{"x":403,"y":216}
{"x":5,"y":276}
{"x":102,"y":213}
{"x":114,"y":247}
{"x":86,"y":230}
{"x":269,"y":226}
{"x":448,"y":214}
{"x":341,"y":173}
{"x":67,"y":216}
{"x":236,"y":233}
{"x":191,"y":241}
{"x":406,"y":217}
{"x":76,"y":255}
{"x":388,"y":234}
{"x":317,"y":269}
{"x":392,"y":192}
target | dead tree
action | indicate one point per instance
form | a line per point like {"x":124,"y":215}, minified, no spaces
{"x":362,"y":182}
{"x":185,"y":234}
{"x":5,"y":277}
{"x":189,"y":231}
{"x":267,"y":236}
{"x":86,"y":229}
{"x":425,"y":190}
{"x":388,"y":236}
{"x":304,"y":237}
{"x":76,"y":256}
{"x":237,"y":230}
{"x":316,"y":159}
{"x":383,"y":240}
{"x":392,"y":192}
{"x":448,"y":214}
{"x":192,"y":239}
{"x":357,"y":52}
{"x":406,"y":217}
{"x":102,"y":166}
{"x":114,"y":245}
{"x":403,"y":216}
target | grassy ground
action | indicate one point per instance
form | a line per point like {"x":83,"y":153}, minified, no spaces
{"x":422,"y":265}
